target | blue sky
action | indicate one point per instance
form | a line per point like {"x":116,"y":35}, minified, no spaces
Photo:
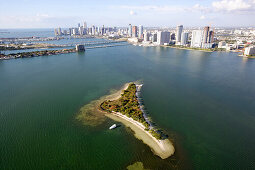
{"x":67,"y":13}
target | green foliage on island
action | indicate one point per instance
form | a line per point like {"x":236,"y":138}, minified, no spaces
{"x":37,"y":53}
{"x":127,"y":105}
{"x":155,"y":134}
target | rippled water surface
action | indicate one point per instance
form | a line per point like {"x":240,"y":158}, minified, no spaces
{"x":205,"y":102}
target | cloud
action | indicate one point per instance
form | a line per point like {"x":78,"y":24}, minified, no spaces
{"x":132,"y":12}
{"x":35,"y":21}
{"x":234,"y":5}
{"x":200,"y":8}
{"x":202,"y":17}
{"x":150,"y":8}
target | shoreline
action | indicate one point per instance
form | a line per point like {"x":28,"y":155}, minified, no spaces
{"x":188,"y":49}
{"x":162,"y":148}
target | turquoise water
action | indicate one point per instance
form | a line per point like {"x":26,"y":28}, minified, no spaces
{"x":205,"y":102}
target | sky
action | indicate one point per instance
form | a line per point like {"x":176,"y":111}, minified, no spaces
{"x":149,"y":13}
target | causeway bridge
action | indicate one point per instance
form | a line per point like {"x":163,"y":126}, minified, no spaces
{"x":97,"y":43}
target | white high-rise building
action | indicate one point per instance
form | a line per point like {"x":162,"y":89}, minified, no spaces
{"x":81,"y":31}
{"x":163,"y":37}
{"x":249,"y":50}
{"x":74,"y":31}
{"x":59,"y":31}
{"x":146,"y":36}
{"x":154,"y":37}
{"x":130,"y":30}
{"x":184,"y":38}
{"x":197,"y":39}
{"x":179,"y":29}
{"x":93,"y":30}
{"x":140,"y":31}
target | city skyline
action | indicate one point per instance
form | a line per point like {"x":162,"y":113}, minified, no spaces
{"x":162,"y":13}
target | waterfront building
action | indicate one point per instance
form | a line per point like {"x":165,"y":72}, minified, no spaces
{"x":59,"y":31}
{"x":85,"y":25}
{"x":90,"y":31}
{"x":196,"y":39}
{"x":210,"y":37}
{"x":74,"y":31}
{"x":65,"y":32}
{"x":154,"y":37}
{"x":80,"y":48}
{"x":178,"y":34}
{"x":93,"y":31}
{"x":81,"y":30}
{"x":134,"y":31}
{"x":140,"y":31}
{"x":206,"y":34}
{"x":70,"y":31}
{"x":249,"y":50}
{"x":202,"y":38}
{"x":184,"y":38}
{"x":56,"y":31}
{"x":222,"y":44}
{"x":130,"y":30}
{"x":163,"y":37}
{"x":146,"y":36}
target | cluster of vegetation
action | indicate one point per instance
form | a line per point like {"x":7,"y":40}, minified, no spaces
{"x":127,"y":105}
{"x":155,"y":134}
{"x":38,"y":53}
{"x":10,"y":48}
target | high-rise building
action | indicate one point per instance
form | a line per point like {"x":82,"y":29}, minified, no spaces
{"x":74,"y":31}
{"x":130,"y":30}
{"x":172,"y":36}
{"x":163,"y":37}
{"x":56,"y":31}
{"x":79,"y":25}
{"x":197,"y":39}
{"x":85,"y":25}
{"x":202,"y":38}
{"x":179,"y":29}
{"x":81,"y":31}
{"x":70,"y":31}
{"x":184,"y":38}
{"x":154,"y":37}
{"x":59,"y":31}
{"x":206,"y":34}
{"x":65,"y":32}
{"x":210,"y":37}
{"x":134,"y":31}
{"x":140,"y":31}
{"x":146,"y":36}
{"x":93,"y":32}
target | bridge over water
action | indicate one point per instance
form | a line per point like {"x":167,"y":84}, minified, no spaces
{"x":96,"y":43}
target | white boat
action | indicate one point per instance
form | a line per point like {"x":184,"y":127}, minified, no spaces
{"x":113,"y":126}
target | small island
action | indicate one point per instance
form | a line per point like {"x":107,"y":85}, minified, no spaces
{"x":127,"y":110}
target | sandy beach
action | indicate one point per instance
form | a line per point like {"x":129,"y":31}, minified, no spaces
{"x":162,"y":148}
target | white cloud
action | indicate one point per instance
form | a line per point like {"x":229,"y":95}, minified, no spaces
{"x":200,"y":8}
{"x":234,"y":5}
{"x":202,"y":17}
{"x":132,"y":12}
{"x":164,"y":8}
{"x":35,"y":21}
